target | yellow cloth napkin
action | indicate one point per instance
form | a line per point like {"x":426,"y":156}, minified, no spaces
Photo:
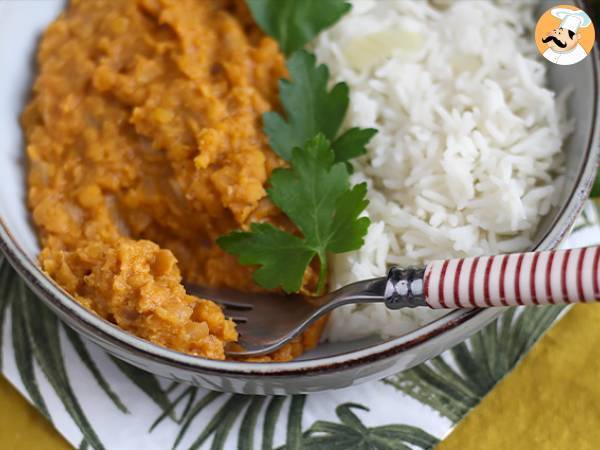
{"x":22,"y":427}
{"x":551,"y":401}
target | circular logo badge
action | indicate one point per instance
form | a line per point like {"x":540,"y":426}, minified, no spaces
{"x":564,"y":35}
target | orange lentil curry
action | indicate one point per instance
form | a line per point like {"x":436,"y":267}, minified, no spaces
{"x":145,"y":144}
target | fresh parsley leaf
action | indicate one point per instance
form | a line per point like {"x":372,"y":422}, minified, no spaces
{"x":282,"y":256}
{"x":307,"y":193}
{"x":293,"y":23}
{"x":315,"y":194}
{"x":310,"y":109}
{"x":352,"y":144}
{"x":347,"y":229}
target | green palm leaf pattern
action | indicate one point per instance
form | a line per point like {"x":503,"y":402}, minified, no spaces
{"x":86,"y":358}
{"x":249,"y":409}
{"x":6,"y":274}
{"x":189,"y":393}
{"x":453,"y":384}
{"x":193,"y":413}
{"x":271,"y":416}
{"x":350,"y":433}
{"x":43,"y":330}
{"x":294,"y":428}
{"x":231,"y":410}
{"x":246,"y":434}
{"x":24,"y":351}
{"x":145,"y":381}
{"x":221,"y":422}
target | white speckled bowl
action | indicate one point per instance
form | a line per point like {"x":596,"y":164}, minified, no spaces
{"x":331,"y":365}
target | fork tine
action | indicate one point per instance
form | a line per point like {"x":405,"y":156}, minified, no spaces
{"x":234,"y":310}
{"x":252,"y":313}
{"x":238,"y":319}
{"x":224,"y":297}
{"x":232,"y":306}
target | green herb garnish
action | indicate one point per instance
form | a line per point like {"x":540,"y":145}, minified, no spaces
{"x":315,"y":194}
{"x":310,"y":109}
{"x":293,"y":23}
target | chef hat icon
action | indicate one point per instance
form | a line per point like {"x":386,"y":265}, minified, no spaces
{"x":570,"y":19}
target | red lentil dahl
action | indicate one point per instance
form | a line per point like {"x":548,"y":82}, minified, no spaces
{"x":145,"y":144}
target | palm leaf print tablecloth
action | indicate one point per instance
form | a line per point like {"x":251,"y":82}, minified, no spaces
{"x":99,"y":402}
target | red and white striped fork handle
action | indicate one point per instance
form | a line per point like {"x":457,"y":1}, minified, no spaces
{"x":536,"y":278}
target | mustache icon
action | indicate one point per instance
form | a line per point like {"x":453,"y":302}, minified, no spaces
{"x":555,"y":40}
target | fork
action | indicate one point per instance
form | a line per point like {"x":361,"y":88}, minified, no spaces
{"x":267,"y":321}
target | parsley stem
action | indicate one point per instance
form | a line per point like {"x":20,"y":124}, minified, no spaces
{"x":322,"y":273}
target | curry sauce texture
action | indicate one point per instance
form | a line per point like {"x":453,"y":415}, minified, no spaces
{"x":145,"y":144}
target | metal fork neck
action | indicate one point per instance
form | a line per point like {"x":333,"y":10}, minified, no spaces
{"x":404,"y":288}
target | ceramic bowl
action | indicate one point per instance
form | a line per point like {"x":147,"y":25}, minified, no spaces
{"x":330,"y":366}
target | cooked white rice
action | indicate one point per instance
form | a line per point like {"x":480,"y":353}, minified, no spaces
{"x":468,"y":153}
